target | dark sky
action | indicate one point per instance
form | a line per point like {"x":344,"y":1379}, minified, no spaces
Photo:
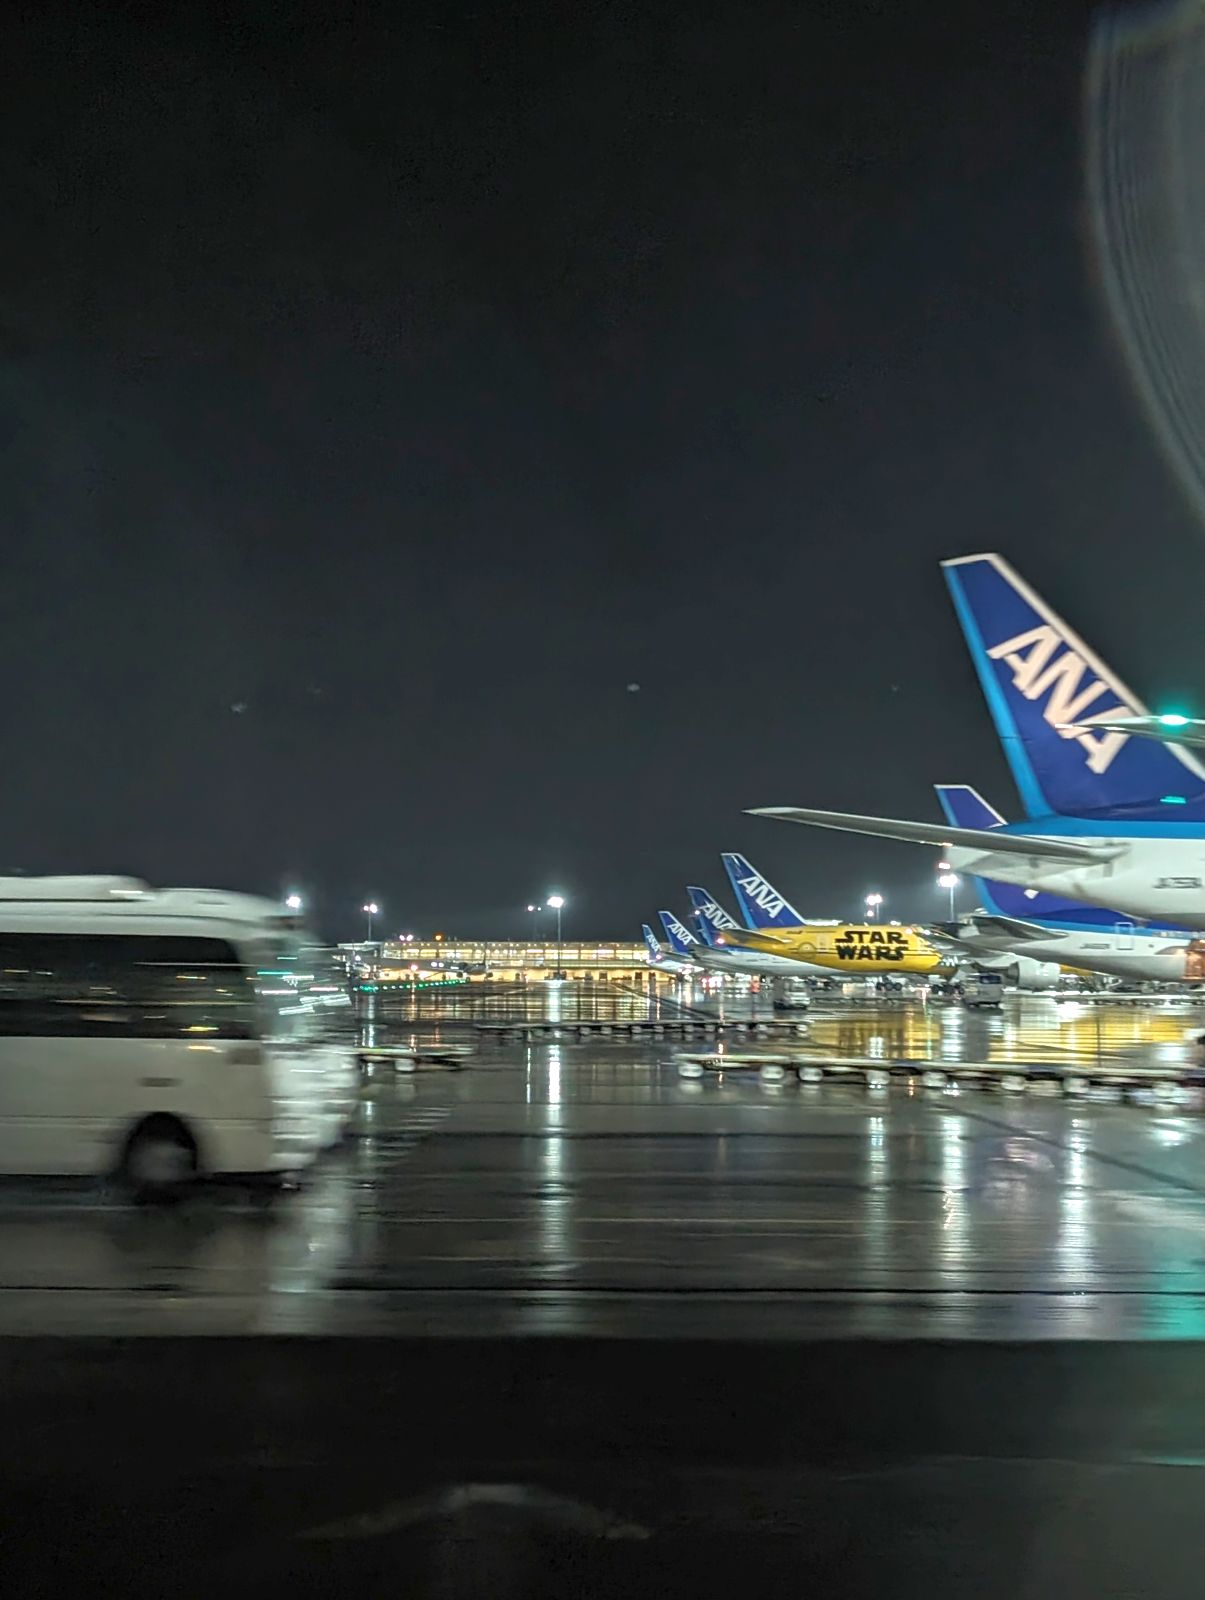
{"x":416,"y":379}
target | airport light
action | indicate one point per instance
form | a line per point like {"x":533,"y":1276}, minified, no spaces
{"x":873,"y":902}
{"x":944,"y":866}
{"x":950,"y":881}
{"x":370,"y":910}
{"x":555,"y":903}
{"x":534,"y":912}
{"x":293,"y":902}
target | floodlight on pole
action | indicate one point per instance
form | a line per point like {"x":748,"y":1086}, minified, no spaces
{"x":556,"y":903}
{"x":950,"y":881}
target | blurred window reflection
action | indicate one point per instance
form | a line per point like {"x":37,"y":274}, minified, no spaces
{"x":123,"y":985}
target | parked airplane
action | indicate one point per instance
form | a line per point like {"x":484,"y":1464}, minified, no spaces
{"x":1042,"y":932}
{"x":708,"y":912}
{"x":859,"y":949}
{"x":1110,"y":816}
{"x":714,"y":923}
{"x":660,"y":957}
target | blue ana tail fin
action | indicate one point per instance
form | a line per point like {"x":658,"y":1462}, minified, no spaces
{"x":966,"y":808}
{"x":679,"y":936}
{"x":710,"y":916}
{"x":760,"y":903}
{"x":1042,"y":684}
{"x":650,"y":938}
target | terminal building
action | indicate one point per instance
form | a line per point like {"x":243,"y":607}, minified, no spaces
{"x":508,"y":961}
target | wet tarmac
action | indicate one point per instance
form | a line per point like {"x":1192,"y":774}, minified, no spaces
{"x":548,"y":1467}
{"x":902,"y":1342}
{"x":1062,"y":1030}
{"x":585,"y":1189}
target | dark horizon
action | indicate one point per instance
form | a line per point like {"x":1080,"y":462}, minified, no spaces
{"x":386,"y":398}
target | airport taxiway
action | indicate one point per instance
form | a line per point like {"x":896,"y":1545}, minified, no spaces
{"x":583,"y":1188}
{"x":927,"y":1342}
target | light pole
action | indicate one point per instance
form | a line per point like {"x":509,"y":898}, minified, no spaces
{"x":555,"y":902}
{"x":535,"y":911}
{"x":873,"y":902}
{"x":950,"y":881}
{"x":370,"y":911}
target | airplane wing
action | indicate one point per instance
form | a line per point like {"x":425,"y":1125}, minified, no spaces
{"x":943,"y":942}
{"x":1011,"y":929}
{"x":991,"y":841}
{"x":1169,"y":728}
{"x":1018,"y":930}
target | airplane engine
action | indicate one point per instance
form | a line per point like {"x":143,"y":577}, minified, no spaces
{"x":1032,"y":974}
{"x":1025,"y":971}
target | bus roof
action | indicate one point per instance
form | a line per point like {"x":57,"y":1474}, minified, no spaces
{"x":131,"y":897}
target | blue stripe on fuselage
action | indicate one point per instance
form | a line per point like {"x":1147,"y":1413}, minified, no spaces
{"x":1007,"y":900}
{"x":1102,"y":828}
{"x":1162,"y":933}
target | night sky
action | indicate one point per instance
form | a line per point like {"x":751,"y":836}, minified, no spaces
{"x":384,"y":392}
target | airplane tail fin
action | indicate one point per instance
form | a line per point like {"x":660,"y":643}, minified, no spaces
{"x":760,"y":903}
{"x":679,"y":936}
{"x":966,"y":808}
{"x":710,"y":916}
{"x":650,"y":938}
{"x":1042,"y":685}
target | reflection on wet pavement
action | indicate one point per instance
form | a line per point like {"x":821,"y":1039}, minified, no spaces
{"x":1066,"y":1031}
{"x":565,"y":1187}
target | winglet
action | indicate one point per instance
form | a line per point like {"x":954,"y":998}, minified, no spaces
{"x":966,"y":808}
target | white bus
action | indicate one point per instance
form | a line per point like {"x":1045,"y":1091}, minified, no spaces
{"x":159,"y":1035}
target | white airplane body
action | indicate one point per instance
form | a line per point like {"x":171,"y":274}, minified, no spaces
{"x":1149,"y":878}
{"x":1131,"y":953}
{"x":1115,"y":813}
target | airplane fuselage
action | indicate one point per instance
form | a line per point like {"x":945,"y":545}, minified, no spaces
{"x":679,"y":966}
{"x":859,"y":950}
{"x":1163,"y":956}
{"x":755,"y":963}
{"x":1159,"y":878}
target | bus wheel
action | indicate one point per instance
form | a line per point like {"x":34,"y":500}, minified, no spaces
{"x":160,"y":1159}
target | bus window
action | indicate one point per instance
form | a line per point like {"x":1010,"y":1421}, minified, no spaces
{"x":123,"y":985}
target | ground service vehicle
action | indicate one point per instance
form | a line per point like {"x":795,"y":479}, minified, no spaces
{"x":984,"y":989}
{"x":160,"y":1035}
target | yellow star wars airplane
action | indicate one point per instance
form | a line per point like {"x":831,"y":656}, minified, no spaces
{"x":858,"y":950}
